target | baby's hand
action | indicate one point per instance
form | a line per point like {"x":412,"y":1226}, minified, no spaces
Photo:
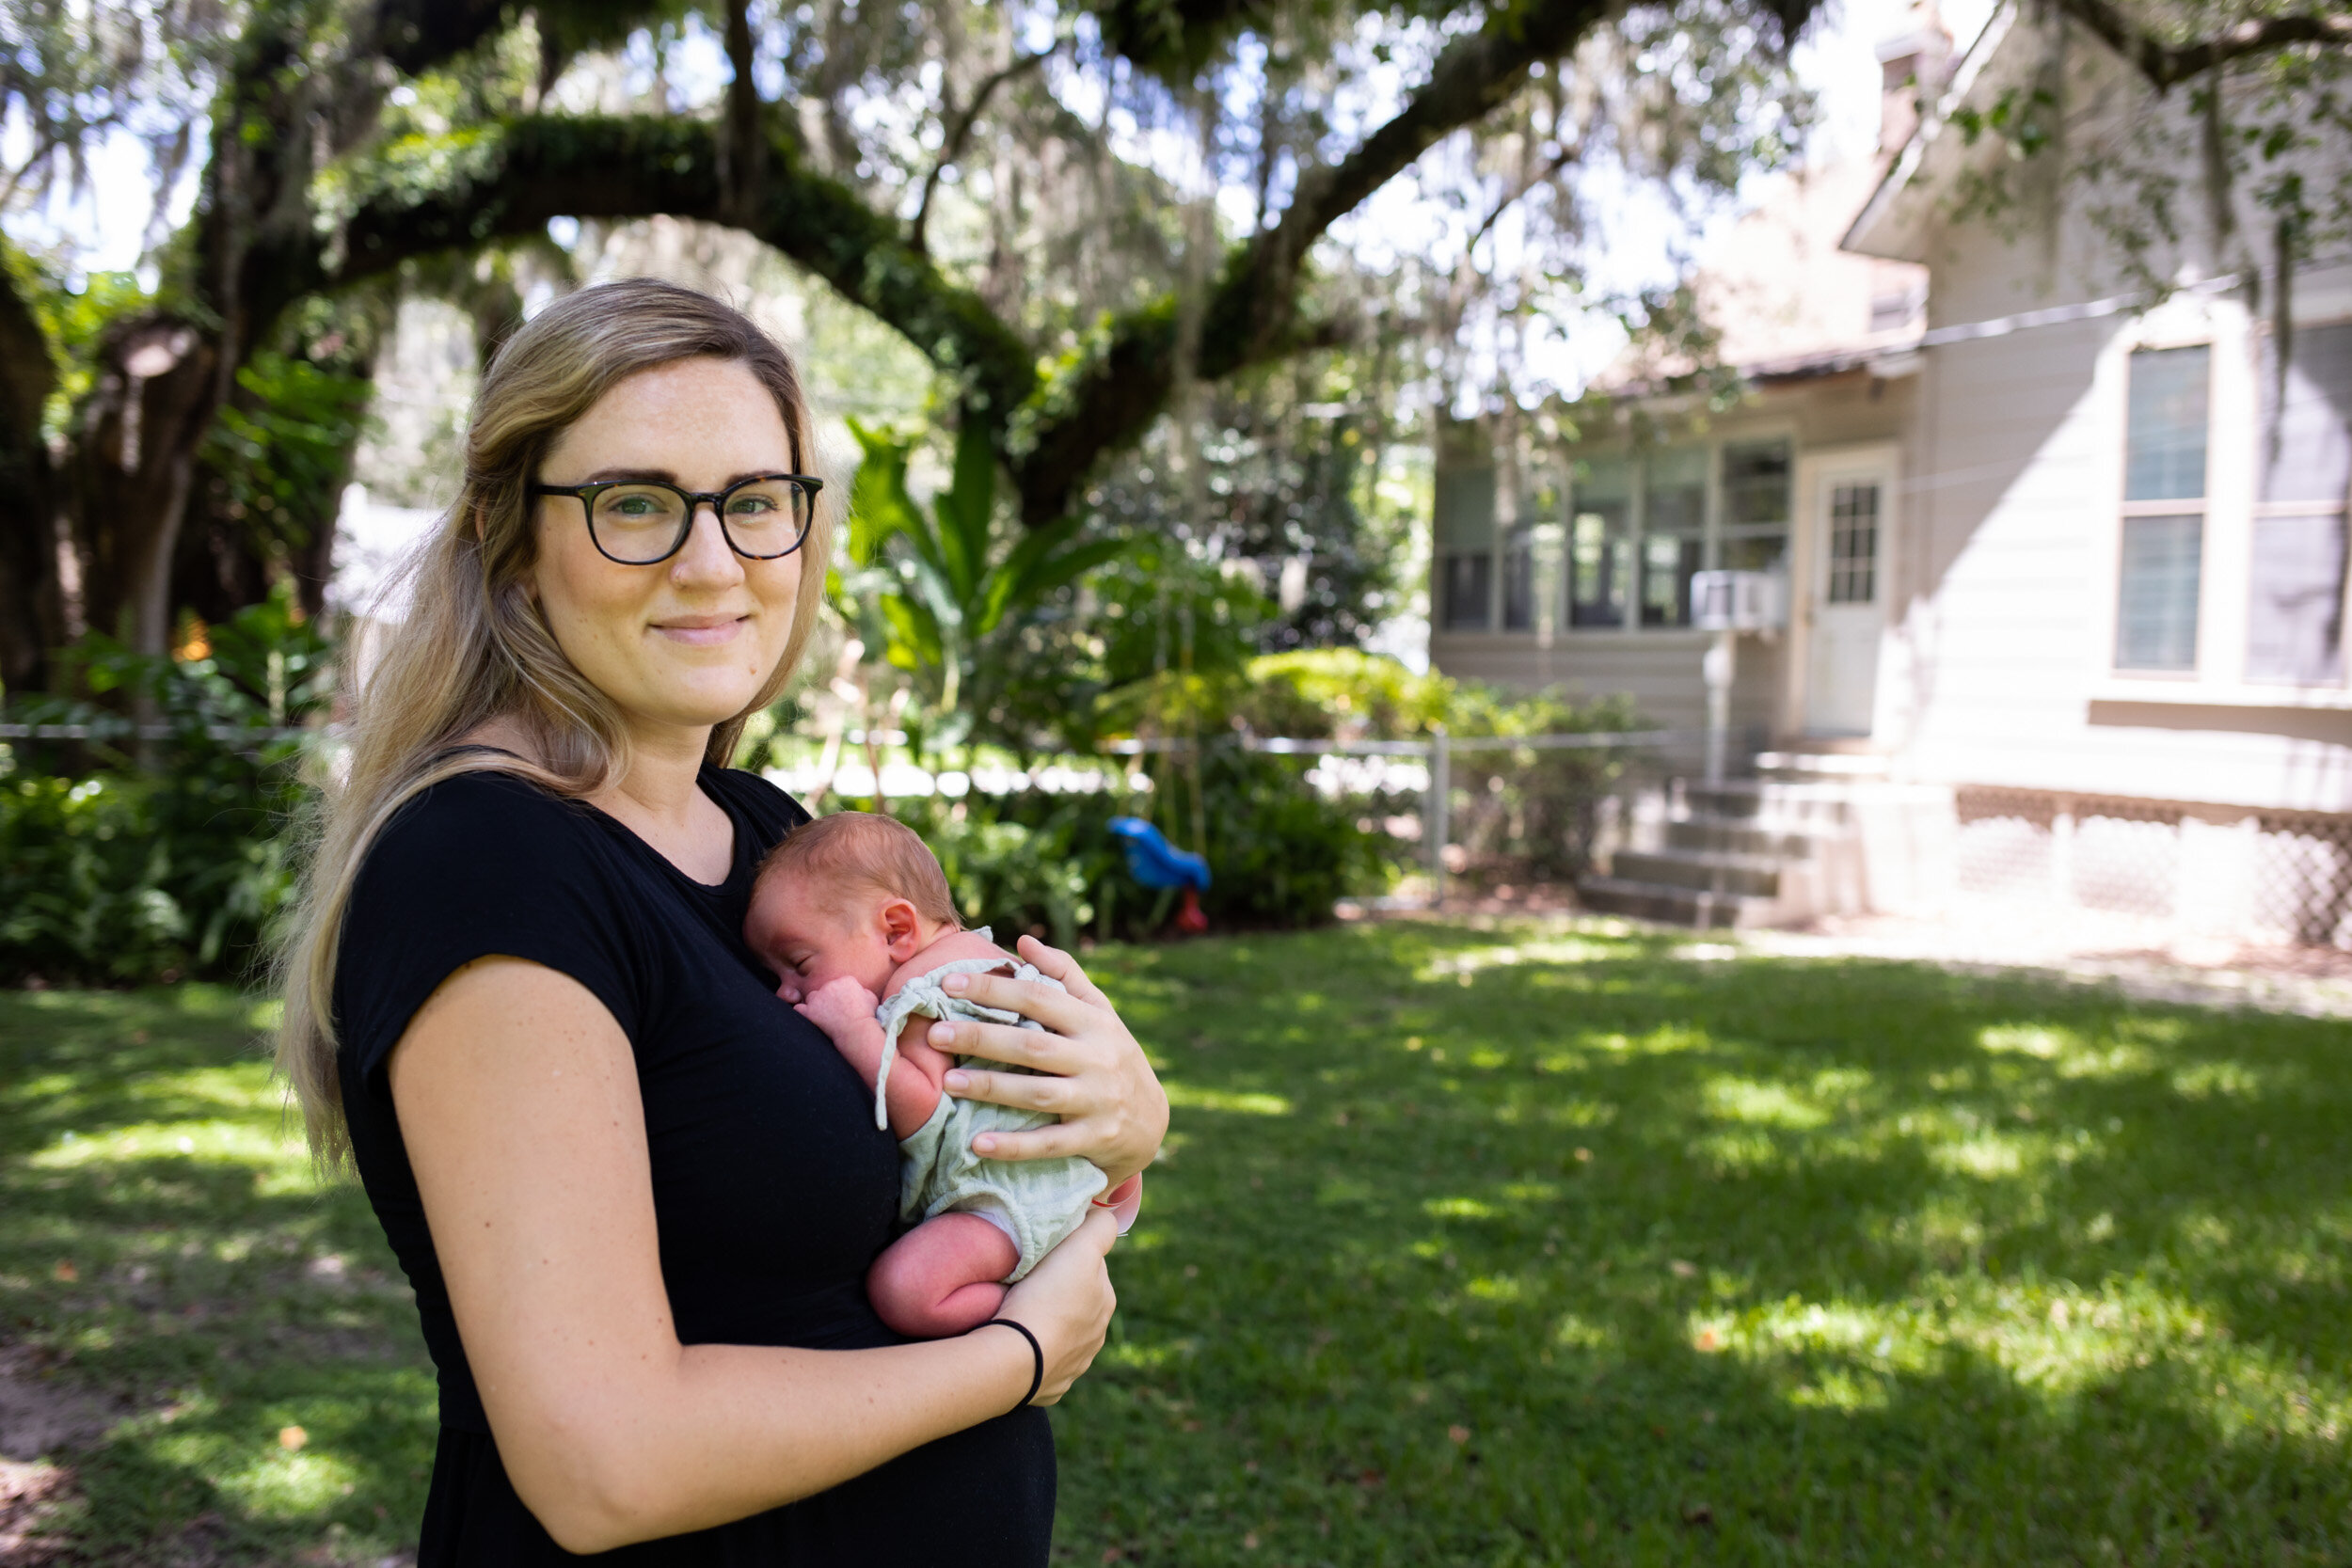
{"x":838,"y":1004}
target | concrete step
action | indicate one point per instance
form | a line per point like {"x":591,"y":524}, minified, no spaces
{"x":1708,"y":871}
{"x":1822,"y":765}
{"x":1772,"y":802}
{"x":1671,"y":906}
{"x":1731,"y":835}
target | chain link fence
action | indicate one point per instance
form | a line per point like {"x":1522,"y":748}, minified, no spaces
{"x":2261,"y":876}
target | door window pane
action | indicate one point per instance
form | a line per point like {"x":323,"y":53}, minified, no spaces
{"x":2163,"y":445}
{"x":2155,"y":622}
{"x":1854,"y":543}
{"x":1469,"y":582}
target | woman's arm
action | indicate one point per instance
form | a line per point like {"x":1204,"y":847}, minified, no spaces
{"x":1095,"y":1076}
{"x":517,"y":1094}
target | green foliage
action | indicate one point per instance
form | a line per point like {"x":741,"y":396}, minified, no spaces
{"x":114,"y":871}
{"x":281,"y":460}
{"x":937,"y":589}
{"x":74,"y":321}
{"x":1279,"y":853}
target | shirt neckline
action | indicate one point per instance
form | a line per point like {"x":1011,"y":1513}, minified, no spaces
{"x":739,"y":839}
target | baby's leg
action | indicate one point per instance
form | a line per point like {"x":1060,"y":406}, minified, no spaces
{"x":943,"y":1276}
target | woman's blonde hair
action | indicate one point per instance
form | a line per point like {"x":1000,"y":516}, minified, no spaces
{"x":474,"y":646}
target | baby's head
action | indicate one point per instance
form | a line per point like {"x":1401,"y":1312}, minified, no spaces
{"x":851,"y":894}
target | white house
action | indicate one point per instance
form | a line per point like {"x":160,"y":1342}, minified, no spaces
{"x":2064,"y":566}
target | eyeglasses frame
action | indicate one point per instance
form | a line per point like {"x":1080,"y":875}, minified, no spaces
{"x":586,"y":495}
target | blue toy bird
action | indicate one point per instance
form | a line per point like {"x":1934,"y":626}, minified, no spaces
{"x":1155,"y":862}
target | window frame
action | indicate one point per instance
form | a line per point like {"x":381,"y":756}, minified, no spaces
{"x":2232,"y":505}
{"x":1638,"y":535}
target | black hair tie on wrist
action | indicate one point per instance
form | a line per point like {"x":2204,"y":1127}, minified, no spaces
{"x":1036,"y":1378}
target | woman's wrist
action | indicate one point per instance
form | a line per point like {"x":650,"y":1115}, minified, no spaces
{"x":1037,"y":1355}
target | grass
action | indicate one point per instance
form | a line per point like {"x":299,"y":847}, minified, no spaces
{"x":1529,"y":1245}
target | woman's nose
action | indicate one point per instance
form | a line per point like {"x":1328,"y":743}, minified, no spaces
{"x":707,"y":557}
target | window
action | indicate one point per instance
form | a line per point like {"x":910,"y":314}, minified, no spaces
{"x":1756,"y":505}
{"x":2164,"y":510}
{"x":2295,"y":620}
{"x":1854,"y":543}
{"x":1469,"y":582}
{"x":1674,"y":533}
{"x":1464,"y":548}
{"x":1519,"y":578}
{"x":1600,"y":543}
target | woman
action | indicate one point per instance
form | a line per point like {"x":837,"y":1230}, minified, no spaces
{"x":636,"y":1194}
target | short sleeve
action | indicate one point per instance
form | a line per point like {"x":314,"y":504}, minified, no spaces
{"x":481,"y":866}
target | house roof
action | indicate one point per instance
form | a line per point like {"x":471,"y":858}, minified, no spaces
{"x":1895,"y":222}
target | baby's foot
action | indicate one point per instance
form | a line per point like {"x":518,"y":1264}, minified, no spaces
{"x":1124,"y":1201}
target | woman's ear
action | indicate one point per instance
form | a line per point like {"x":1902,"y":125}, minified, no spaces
{"x":902,"y":927}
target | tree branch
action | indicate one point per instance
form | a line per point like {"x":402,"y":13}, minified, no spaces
{"x":959,"y":134}
{"x":1567,"y":156}
{"x":1251,"y":312}
{"x":539,"y":167}
{"x":2166,"y":64}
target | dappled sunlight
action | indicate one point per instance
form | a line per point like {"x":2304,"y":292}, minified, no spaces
{"x":1762,"y":1103}
{"x":1186,"y":1096}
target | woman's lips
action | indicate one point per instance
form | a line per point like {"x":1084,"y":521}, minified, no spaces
{"x":703,"y":630}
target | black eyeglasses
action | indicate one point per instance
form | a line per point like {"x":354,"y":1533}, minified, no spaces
{"x":641,"y":522}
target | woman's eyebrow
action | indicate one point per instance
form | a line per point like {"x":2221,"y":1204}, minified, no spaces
{"x":664,"y":476}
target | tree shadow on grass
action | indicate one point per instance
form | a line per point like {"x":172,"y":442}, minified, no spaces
{"x":1584,"y":1252}
{"x":162,"y":1240}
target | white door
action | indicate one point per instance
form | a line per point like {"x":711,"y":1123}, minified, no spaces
{"x":1845,"y":613}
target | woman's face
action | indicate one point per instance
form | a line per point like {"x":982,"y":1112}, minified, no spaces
{"x":686,"y":642}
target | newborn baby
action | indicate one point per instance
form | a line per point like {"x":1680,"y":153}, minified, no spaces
{"x":853,"y":911}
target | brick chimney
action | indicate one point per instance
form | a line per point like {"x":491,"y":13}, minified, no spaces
{"x":1914,"y":65}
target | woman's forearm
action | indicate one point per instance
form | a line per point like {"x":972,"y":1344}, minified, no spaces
{"x":720,"y":1431}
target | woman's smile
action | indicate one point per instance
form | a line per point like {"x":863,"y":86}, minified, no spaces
{"x":702,"y":631}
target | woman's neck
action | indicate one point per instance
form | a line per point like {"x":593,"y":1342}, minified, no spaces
{"x":663,"y":766}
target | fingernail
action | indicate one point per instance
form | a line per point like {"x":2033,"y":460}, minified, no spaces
{"x":958,"y":1082}
{"x":942,"y":1034}
{"x":984,"y":1144}
{"x":958,"y":984}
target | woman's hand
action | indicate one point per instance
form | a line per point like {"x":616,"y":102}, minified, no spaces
{"x":1089,"y":1072}
{"x":1067,"y":1302}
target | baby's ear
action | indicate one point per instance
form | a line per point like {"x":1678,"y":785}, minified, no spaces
{"x":902,"y":926}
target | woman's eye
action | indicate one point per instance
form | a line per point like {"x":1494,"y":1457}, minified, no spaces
{"x":750,"y":506}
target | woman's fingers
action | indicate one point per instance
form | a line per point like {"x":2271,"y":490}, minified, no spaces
{"x":1062,"y":967}
{"x":1050,"y":1142}
{"x":1059,"y":1011}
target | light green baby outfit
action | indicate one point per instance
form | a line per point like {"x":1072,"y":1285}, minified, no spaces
{"x":1036,"y":1202}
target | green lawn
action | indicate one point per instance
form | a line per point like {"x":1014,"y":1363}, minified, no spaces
{"x":1530,"y":1245}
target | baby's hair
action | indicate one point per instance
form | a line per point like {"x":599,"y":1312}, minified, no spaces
{"x":880,"y":852}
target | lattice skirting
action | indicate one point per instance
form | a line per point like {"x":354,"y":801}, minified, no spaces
{"x":2265,"y":876}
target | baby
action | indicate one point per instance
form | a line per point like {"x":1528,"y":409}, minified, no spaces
{"x":853,"y":911}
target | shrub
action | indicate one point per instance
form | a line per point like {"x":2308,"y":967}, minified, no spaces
{"x":127,"y":860}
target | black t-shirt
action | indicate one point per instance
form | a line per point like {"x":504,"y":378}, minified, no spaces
{"x":773,"y":1189}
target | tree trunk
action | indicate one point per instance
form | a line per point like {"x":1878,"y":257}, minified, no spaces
{"x":132,"y":470}
{"x":32,"y":600}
